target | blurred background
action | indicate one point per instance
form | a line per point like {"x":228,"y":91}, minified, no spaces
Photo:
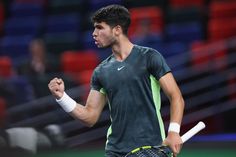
{"x":43,"y":39}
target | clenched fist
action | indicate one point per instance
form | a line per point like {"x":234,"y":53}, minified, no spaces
{"x":57,"y":87}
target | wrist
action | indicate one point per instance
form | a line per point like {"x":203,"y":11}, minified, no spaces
{"x":59,"y":97}
{"x":174,"y":127}
{"x":66,"y":102}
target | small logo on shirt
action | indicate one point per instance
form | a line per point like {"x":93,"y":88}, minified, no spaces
{"x":120,"y":68}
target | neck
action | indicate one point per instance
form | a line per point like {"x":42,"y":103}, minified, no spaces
{"x":122,"y":48}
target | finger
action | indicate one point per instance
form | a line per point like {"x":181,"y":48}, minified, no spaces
{"x":52,"y":81}
{"x":176,"y":150}
{"x":164,"y":143}
{"x":55,"y":79}
{"x":173,"y":148}
{"x":59,"y":81}
{"x":52,"y":84}
{"x":180,"y":147}
{"x":174,"y":155}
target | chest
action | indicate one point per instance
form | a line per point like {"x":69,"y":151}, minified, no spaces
{"x":118,"y":75}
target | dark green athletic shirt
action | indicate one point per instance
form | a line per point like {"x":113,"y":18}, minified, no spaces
{"x":133,"y":93}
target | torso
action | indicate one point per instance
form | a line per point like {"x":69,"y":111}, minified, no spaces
{"x":134,"y":100}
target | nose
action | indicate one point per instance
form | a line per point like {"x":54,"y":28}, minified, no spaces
{"x":94,"y":33}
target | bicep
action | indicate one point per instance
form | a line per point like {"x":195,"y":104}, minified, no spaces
{"x":95,"y":101}
{"x":169,"y":85}
{"x":90,"y":113}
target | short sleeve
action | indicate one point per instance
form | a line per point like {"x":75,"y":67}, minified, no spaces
{"x":157,"y":65}
{"x":95,"y":82}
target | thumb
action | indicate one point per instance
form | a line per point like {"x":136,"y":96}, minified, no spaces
{"x":59,"y":81}
{"x":164,"y":143}
{"x":58,"y":93}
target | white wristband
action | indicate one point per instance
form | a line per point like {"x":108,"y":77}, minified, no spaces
{"x":175,"y":127}
{"x":66,"y":102}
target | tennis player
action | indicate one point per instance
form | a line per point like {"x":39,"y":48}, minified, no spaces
{"x":130,"y":80}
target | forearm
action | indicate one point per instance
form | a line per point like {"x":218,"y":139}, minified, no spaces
{"x":88,"y":114}
{"x":176,"y":109}
{"x":173,"y":139}
{"x":85,"y":115}
{"x":174,"y":95}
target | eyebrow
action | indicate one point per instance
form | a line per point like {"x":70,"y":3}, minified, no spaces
{"x":98,"y":26}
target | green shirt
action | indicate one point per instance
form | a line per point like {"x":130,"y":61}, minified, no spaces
{"x":133,"y":93}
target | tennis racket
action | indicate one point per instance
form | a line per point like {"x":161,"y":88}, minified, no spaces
{"x":164,"y":151}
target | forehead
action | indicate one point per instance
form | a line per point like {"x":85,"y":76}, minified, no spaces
{"x":100,"y":24}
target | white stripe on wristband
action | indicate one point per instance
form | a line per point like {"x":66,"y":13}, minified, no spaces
{"x":175,"y":127}
{"x":66,"y":102}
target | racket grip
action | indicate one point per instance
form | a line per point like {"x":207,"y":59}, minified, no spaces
{"x":198,"y":127}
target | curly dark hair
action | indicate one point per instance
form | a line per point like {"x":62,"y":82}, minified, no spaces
{"x":113,"y":15}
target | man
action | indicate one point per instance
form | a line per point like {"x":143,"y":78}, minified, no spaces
{"x":129,"y":80}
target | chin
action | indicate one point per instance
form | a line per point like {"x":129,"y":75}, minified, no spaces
{"x":103,"y":45}
{"x":106,"y":46}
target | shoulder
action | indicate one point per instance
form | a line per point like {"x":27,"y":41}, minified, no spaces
{"x":103,"y":64}
{"x":147,"y":51}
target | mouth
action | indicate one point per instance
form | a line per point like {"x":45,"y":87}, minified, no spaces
{"x":96,"y":42}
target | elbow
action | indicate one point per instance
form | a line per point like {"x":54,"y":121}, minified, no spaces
{"x":89,"y":121}
{"x":85,"y":116}
{"x":177,"y":99}
{"x":92,"y":119}
{"x":180,"y":102}
{"x":85,"y":120}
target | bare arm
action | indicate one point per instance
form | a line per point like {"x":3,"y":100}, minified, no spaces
{"x":88,"y":114}
{"x":172,"y":91}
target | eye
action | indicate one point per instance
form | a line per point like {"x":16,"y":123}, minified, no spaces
{"x":99,"y":27}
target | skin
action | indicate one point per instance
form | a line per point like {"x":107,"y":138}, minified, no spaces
{"x":105,"y":36}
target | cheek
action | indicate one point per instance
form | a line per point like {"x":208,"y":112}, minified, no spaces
{"x":106,"y":38}
{"x":104,"y":34}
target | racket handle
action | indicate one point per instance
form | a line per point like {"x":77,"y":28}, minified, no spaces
{"x":198,"y":127}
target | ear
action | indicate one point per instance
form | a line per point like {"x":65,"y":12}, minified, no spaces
{"x":117,"y":30}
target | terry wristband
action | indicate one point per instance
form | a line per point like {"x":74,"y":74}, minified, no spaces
{"x":66,"y":102}
{"x":175,"y":127}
